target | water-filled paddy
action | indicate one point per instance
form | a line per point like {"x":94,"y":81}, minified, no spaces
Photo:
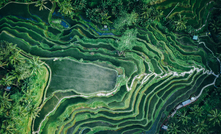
{"x":83,"y":78}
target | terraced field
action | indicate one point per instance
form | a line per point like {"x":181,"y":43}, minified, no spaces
{"x":93,"y":88}
{"x":196,"y":11}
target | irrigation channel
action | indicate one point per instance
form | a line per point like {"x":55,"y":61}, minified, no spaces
{"x":94,"y":88}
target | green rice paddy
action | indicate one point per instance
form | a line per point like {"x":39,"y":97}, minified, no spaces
{"x":93,"y":88}
{"x":84,"y":78}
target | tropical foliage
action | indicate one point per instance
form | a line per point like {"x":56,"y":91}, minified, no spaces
{"x":21,"y":73}
{"x":125,"y":20}
{"x":215,"y":25}
{"x":180,"y":24}
{"x":41,"y":4}
{"x":128,"y":40}
{"x":202,"y":117}
{"x":66,"y":8}
{"x":17,"y":105}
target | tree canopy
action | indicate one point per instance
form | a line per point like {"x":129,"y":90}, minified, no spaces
{"x":128,"y":40}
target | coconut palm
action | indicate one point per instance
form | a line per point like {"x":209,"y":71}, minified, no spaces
{"x":147,"y":12}
{"x":8,"y":80}
{"x":3,"y":63}
{"x":66,"y":8}
{"x":173,"y":129}
{"x":214,"y":117}
{"x":82,"y":4}
{"x":128,"y":40}
{"x":22,"y":71}
{"x":184,"y":118}
{"x":27,"y":96}
{"x":5,"y":101}
{"x":19,"y":110}
{"x":34,"y":112}
{"x":197,"y":111}
{"x":41,"y":4}
{"x":181,"y":23}
{"x":215,"y":25}
{"x":17,"y":96}
{"x":14,"y":58}
{"x":187,"y":130}
{"x":2,"y":112}
{"x":200,"y":127}
{"x":15,"y":112}
{"x":9,"y":127}
{"x":35,"y":65}
{"x":6,"y":50}
{"x":156,"y":14}
{"x":105,"y":19}
{"x":126,"y":19}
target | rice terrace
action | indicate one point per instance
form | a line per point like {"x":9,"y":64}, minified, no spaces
{"x":110,"y":66}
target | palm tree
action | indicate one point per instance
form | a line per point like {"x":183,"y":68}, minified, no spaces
{"x":147,"y":12}
{"x":215,"y":25}
{"x":22,"y":71}
{"x":28,"y":96}
{"x":3,"y":63}
{"x":5,"y":101}
{"x":17,"y":96}
{"x":128,"y":40}
{"x":181,"y":23}
{"x":82,"y":4}
{"x":9,"y":127}
{"x":201,"y":127}
{"x":2,"y":112}
{"x":173,"y":128}
{"x":144,"y":18}
{"x":105,"y":19}
{"x":34,"y":112}
{"x":41,"y":5}
{"x":66,"y":8}
{"x":6,"y":50}
{"x":15,"y":114}
{"x":187,"y":130}
{"x":214,"y":117}
{"x":36,"y":65}
{"x":18,"y":111}
{"x":197,"y":111}
{"x":8,"y":80}
{"x":14,"y":58}
{"x":184,"y":118}
{"x":158,"y":15}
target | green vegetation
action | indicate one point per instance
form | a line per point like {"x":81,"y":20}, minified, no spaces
{"x":84,"y":78}
{"x":127,"y":40}
{"x":204,"y":116}
{"x":109,"y":66}
{"x":19,"y":104}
